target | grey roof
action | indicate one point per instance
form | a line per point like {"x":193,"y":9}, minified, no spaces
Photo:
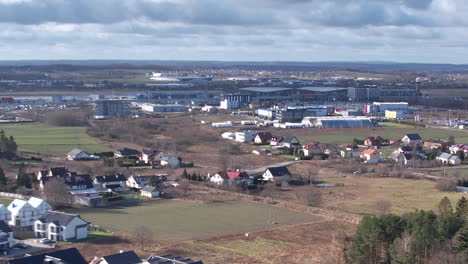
{"x":265,"y":89}
{"x":414,"y":136}
{"x":171,"y":259}
{"x":289,"y":139}
{"x":5,"y":227}
{"x":323,"y":89}
{"x":58,"y":218}
{"x":111,"y":178}
{"x":279,"y":171}
{"x":128,"y":257}
{"x":445,"y":156}
{"x":149,"y":189}
{"x":69,"y":256}
{"x":74,"y":152}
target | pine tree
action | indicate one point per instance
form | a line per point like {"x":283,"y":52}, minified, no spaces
{"x":3,"y":142}
{"x":23,"y":178}
{"x":184,"y":174}
{"x":448,"y":222}
{"x":3,"y":179}
{"x":462,"y":240}
{"x":11,"y":145}
{"x":462,"y":208}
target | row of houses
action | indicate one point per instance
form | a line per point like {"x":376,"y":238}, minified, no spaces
{"x":271,"y":174}
{"x":73,"y":256}
{"x":147,"y":156}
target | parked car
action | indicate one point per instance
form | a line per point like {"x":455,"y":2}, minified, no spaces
{"x":45,"y":241}
{"x":21,"y":245}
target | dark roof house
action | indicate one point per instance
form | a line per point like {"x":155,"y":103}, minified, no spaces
{"x":170,"y":259}
{"x":127,"y":257}
{"x":67,"y":256}
{"x":58,"y":218}
{"x":111,"y":178}
{"x":279,"y":171}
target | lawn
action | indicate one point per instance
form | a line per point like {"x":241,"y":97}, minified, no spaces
{"x":185,"y":220}
{"x":359,"y":195}
{"x":344,"y":136}
{"x":6,"y":201}
{"x":451,"y":172}
{"x":38,"y":138}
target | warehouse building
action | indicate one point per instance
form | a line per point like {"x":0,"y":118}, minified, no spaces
{"x":322,"y":94}
{"x":161,"y":108}
{"x":274,"y":94}
{"x":338,"y":122}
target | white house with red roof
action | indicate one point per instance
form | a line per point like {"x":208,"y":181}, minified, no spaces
{"x":311,"y":149}
{"x":370,"y":156}
{"x":223,"y":177}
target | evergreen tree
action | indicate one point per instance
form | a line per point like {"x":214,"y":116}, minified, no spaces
{"x":3,"y":178}
{"x":462,"y":241}
{"x":448,"y":222}
{"x":3,"y":142}
{"x":23,"y":178}
{"x":462,"y":208}
{"x":12,"y":146}
{"x":184,"y":174}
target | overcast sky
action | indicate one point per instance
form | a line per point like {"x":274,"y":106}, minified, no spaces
{"x":249,"y":30}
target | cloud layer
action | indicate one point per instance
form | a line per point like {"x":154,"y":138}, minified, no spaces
{"x":305,"y":30}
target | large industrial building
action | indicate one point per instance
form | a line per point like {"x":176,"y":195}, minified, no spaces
{"x":381,"y":107}
{"x":273,"y":94}
{"x":111,"y":107}
{"x":323,"y":94}
{"x":160,"y":108}
{"x":338,"y":122}
{"x":234,"y":101}
{"x":170,"y":96}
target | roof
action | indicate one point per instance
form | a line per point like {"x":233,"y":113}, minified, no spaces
{"x":264,"y":136}
{"x":149,"y":189}
{"x":171,"y":259}
{"x":311,"y":145}
{"x":69,"y":256}
{"x":58,"y":171}
{"x":111,"y":178}
{"x":323,"y":89}
{"x":128,"y":152}
{"x":277,"y":138}
{"x":232,"y":175}
{"x":73,"y":179}
{"x":445,"y":156}
{"x":35,"y":202}
{"x":289,"y":139}
{"x":74,"y":152}
{"x":58,"y":218}
{"x":414,"y":136}
{"x":150,"y":151}
{"x":368,"y":152}
{"x":16,"y":204}
{"x":265,"y":89}
{"x":279,"y":171}
{"x":127,"y":257}
{"x":5,"y":227}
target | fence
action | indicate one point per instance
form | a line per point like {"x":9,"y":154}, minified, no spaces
{"x":11,"y":195}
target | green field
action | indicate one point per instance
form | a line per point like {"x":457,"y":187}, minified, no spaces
{"x":345,"y":136}
{"x":38,"y":138}
{"x":183,"y":220}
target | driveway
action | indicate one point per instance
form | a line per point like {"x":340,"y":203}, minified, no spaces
{"x":34,"y":247}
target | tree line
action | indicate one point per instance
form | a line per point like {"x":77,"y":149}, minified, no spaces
{"x":7,"y":144}
{"x":418,"y":237}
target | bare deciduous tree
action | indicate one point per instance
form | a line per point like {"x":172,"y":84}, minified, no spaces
{"x":143,"y":234}
{"x":56,"y":193}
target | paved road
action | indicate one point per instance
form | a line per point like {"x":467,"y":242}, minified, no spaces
{"x":279,"y":164}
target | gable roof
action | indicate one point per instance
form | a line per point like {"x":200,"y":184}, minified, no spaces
{"x":111,"y":178}
{"x":413,"y":136}
{"x":128,"y":152}
{"x":264,"y":136}
{"x":445,"y":156}
{"x":128,"y":257}
{"x":75,"y":152}
{"x":5,"y":227}
{"x":58,"y":218}
{"x":311,"y":145}
{"x":149,"y":189}
{"x":17,"y":204}
{"x":368,"y":152}
{"x":232,"y":175}
{"x":290,"y":139}
{"x":36,"y":202}
{"x":171,"y":259}
{"x":279,"y":171}
{"x":72,"y":179}
{"x":58,"y":171}
{"x":69,"y":256}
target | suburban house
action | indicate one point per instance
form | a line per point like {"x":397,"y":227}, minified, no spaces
{"x":312,"y":149}
{"x":373,"y":141}
{"x":75,"y":183}
{"x":58,"y":226}
{"x":116,"y":182}
{"x":6,"y":236}
{"x":244,"y":136}
{"x":350,"y":151}
{"x":449,"y":159}
{"x":276,"y":174}
{"x":262,"y":138}
{"x":78,"y":154}
{"x":276,"y":140}
{"x":433,"y":144}
{"x":394,"y":141}
{"x":127,"y":152}
{"x":41,"y":206}
{"x":138,"y":182}
{"x":370,"y":156}
{"x":454,"y":149}
{"x":149,"y":191}
{"x":127,"y":257}
{"x":170,"y":161}
{"x":22,"y":213}
{"x":5,"y":215}
{"x":400,"y":158}
{"x":290,"y":142}
{"x":65,"y":256}
{"x":149,"y":155}
{"x":228,"y":177}
{"x":412,"y":139}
